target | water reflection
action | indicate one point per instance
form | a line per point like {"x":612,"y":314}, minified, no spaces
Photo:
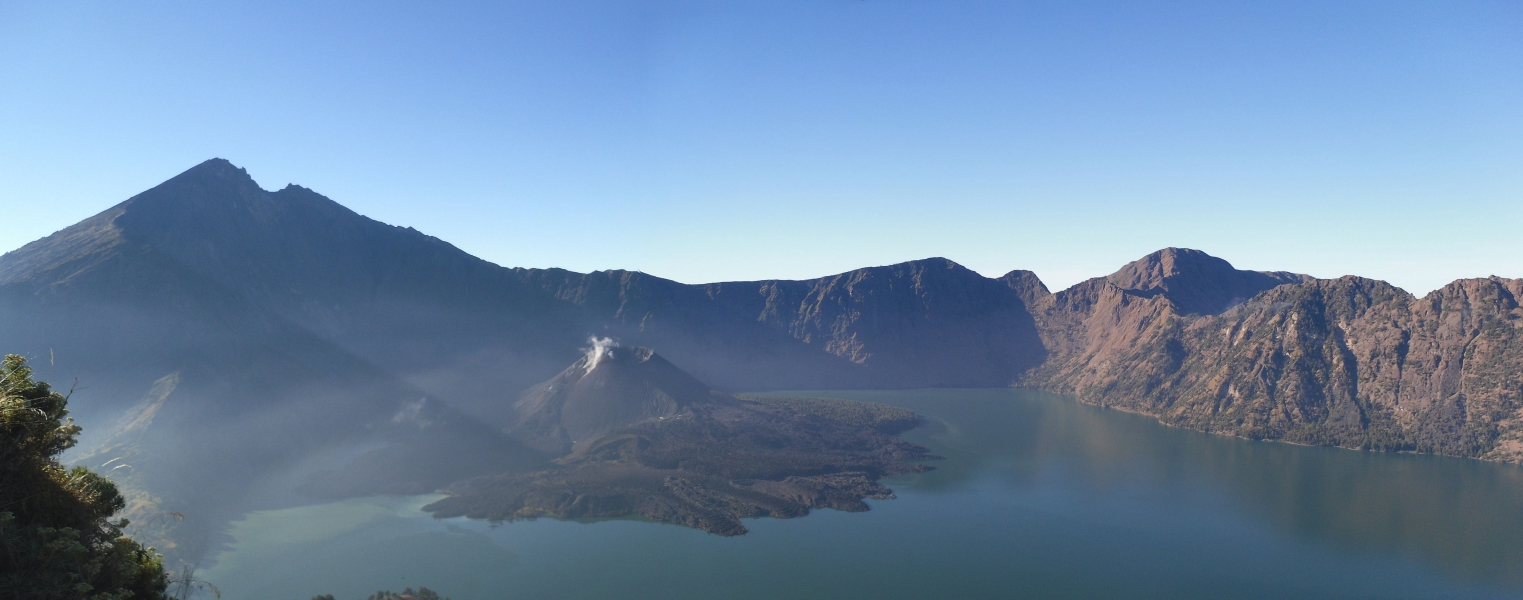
{"x":1461,"y":517}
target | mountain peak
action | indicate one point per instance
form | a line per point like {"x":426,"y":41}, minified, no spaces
{"x":215,"y":173}
{"x":1196,"y":282}
{"x":218,"y":165}
{"x":214,"y":221}
{"x":212,"y":194}
{"x":1154,"y":270}
{"x":61,"y":255}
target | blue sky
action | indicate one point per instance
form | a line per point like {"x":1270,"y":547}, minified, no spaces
{"x":707,"y":141}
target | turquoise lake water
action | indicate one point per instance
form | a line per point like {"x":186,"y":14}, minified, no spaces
{"x":1038,"y":497}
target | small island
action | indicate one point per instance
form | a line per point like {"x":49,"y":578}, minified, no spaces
{"x":639,"y":437}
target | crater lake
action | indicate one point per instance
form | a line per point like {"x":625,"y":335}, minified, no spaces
{"x":1037,"y":496}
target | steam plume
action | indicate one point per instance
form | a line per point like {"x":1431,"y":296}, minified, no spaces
{"x":600,"y":347}
{"x":412,"y":412}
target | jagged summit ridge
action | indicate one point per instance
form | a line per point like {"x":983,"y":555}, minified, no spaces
{"x":1196,"y":282}
{"x":217,"y":170}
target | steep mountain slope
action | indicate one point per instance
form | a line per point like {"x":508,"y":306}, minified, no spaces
{"x":609,"y":388}
{"x":192,"y":388}
{"x":211,"y":323}
{"x":1104,"y":320}
{"x":461,"y":328}
{"x":390,"y":295}
{"x":1350,"y":362}
{"x":1195,"y":282}
{"x":924,"y":323}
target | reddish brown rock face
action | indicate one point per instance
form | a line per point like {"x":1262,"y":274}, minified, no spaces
{"x":1349,"y":362}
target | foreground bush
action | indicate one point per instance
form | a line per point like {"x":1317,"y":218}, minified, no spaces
{"x":56,"y":537}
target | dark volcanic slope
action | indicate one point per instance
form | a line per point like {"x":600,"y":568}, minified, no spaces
{"x":191,"y":367}
{"x":609,"y":388}
{"x":210,"y":323}
{"x":210,"y":249}
{"x":652,"y":441}
{"x":461,"y":328}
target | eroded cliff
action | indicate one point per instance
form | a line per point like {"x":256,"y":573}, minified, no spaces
{"x":1349,"y":362}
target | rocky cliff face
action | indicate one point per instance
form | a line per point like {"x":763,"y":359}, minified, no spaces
{"x":1195,"y":282}
{"x":1349,"y":362}
{"x":1111,"y":320}
{"x":924,"y":323}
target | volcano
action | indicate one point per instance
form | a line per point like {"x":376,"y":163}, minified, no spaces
{"x":608,"y":388}
{"x":639,"y":436}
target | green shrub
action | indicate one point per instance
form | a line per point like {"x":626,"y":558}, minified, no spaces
{"x":56,"y":537}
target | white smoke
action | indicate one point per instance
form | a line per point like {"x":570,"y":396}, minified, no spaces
{"x":412,"y":412}
{"x":600,"y":347}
